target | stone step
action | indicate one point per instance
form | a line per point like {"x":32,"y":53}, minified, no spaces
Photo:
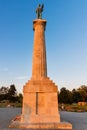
{"x":41,"y":85}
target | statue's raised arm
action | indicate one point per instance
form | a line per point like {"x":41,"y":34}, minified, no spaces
{"x":39,"y":11}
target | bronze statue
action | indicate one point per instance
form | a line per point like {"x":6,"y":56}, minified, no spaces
{"x":39,"y":11}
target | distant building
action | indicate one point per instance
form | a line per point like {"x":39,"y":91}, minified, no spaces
{"x":82,"y":103}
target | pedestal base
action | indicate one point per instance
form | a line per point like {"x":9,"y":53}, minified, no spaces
{"x":59,"y":126}
{"x":40,"y":107}
{"x":40,"y":102}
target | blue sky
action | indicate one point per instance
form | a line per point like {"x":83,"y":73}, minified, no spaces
{"x":66,"y":41}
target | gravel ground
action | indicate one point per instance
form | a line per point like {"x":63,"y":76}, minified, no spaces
{"x":79,"y":120}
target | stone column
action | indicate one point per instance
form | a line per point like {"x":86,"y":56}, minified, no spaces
{"x":39,"y":66}
{"x":40,"y":94}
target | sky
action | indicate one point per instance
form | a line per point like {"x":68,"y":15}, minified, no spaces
{"x":66,"y":41}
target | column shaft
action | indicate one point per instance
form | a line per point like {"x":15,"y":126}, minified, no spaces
{"x":39,"y":67}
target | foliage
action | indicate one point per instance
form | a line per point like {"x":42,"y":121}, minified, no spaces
{"x":20,"y":98}
{"x":83,"y":92}
{"x":65,"y":96}
{"x":76,"y":95}
{"x":12,"y":93}
{"x":9,"y":94}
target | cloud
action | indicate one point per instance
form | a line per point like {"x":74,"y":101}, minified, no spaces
{"x":21,"y":77}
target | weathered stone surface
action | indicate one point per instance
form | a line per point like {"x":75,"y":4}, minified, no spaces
{"x":40,"y":100}
{"x":39,"y":66}
{"x":42,"y":85}
{"x":54,"y":126}
{"x":44,"y":107}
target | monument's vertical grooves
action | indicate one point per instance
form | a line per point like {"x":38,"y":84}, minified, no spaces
{"x":39,"y":67}
{"x":36,"y":102}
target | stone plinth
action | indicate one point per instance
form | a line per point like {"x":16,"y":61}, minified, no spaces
{"x":54,"y":126}
{"x":43,"y":104}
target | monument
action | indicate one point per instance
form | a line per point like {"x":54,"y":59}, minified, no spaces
{"x":40,"y":94}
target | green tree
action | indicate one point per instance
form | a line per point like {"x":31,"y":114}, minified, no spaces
{"x":12,"y":93}
{"x":76,"y":97}
{"x":3,"y":93}
{"x":65,"y":96}
{"x":20,"y":98}
{"x":83,"y":92}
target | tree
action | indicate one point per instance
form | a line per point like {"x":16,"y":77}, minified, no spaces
{"x":65,"y":96}
{"x":4,"y":90}
{"x":12,"y":93}
{"x":82,"y":90}
{"x":3,"y":93}
{"x":76,"y":97}
{"x":20,"y":98}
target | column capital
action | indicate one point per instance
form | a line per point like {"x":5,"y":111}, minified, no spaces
{"x":39,"y":22}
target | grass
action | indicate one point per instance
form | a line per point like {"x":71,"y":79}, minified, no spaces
{"x":6,"y":104}
{"x":74,"y":108}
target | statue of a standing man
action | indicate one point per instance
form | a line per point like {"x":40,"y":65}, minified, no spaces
{"x":39,"y":11}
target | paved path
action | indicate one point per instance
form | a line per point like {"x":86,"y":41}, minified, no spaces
{"x":6,"y":115}
{"x":79,"y":120}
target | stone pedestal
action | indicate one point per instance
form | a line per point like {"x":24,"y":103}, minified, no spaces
{"x":40,"y":103}
{"x":40,"y":94}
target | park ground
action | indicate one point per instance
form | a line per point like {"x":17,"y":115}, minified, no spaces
{"x":73,"y":107}
{"x":78,"y":120}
